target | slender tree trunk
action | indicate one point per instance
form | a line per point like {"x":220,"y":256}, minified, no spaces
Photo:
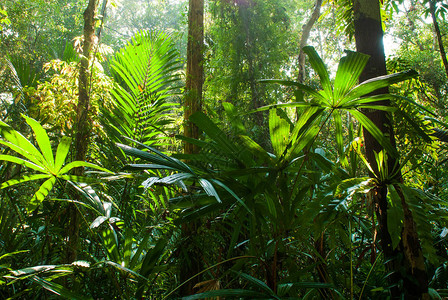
{"x":306,"y":30}
{"x":408,"y":256}
{"x":432,"y":9}
{"x":194,"y":74}
{"x":82,"y":123}
{"x":412,"y":27}
{"x":190,"y":263}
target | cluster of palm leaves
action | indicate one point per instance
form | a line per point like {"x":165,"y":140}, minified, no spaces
{"x":298,"y":215}
{"x":294,"y":222}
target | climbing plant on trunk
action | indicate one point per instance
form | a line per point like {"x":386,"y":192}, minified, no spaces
{"x":82,"y":122}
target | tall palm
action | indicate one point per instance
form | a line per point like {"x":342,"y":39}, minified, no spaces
{"x":271,"y":188}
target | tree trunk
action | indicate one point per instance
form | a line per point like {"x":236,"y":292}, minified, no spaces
{"x":369,"y":40}
{"x":190,"y":262}
{"x":432,"y":9}
{"x":306,"y":30}
{"x":194,"y":74}
{"x":82,"y":124}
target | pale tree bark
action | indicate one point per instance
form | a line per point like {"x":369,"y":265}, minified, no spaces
{"x":432,"y":9}
{"x":405,"y":262}
{"x":190,"y":261}
{"x":306,"y":30}
{"x":82,"y":129}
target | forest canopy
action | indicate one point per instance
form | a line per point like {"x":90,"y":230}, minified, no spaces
{"x":223,"y":149}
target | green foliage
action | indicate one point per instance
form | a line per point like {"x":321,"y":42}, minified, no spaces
{"x":41,"y":160}
{"x":282,"y":199}
{"x":248,"y":41}
{"x":146,"y":75}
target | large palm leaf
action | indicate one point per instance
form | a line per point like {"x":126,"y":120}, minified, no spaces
{"x":146,"y":74}
{"x":345,"y":94}
{"x":40,"y":159}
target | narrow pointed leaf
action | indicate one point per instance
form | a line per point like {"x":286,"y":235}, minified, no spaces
{"x":347,"y":75}
{"x":59,"y":289}
{"x":76,"y":164}
{"x":40,"y":195}
{"x":279,"y":132}
{"x":37,"y":159}
{"x":209,"y":189}
{"x":42,"y":140}
{"x":260,"y":284}
{"x":62,"y":152}
{"x":339,"y":133}
{"x":216,"y":134}
{"x":150,"y":261}
{"x":315,"y":94}
{"x":33,"y":177}
{"x":376,"y":83}
{"x":321,"y":70}
{"x":217,"y":182}
{"x":24,"y":162}
{"x":375,"y":132}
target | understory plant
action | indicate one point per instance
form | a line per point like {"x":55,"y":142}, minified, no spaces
{"x":300,"y":217}
{"x":292,"y":220}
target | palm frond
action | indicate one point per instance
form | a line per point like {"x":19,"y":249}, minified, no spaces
{"x":146,"y":75}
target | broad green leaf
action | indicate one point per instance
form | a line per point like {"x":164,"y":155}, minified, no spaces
{"x":20,"y":144}
{"x":302,"y":141}
{"x":394,"y":217}
{"x":77,"y":164}
{"x":79,"y":179}
{"x":141,"y":247}
{"x":352,"y":184}
{"x":22,"y":179}
{"x":315,"y":94}
{"x":318,"y":65}
{"x":374,"y":131}
{"x":353,"y":103}
{"x":37,"y":160}
{"x":347,"y":76}
{"x":254,"y":148}
{"x":339,"y":133}
{"x":171,"y":160}
{"x":216,"y":134}
{"x":376,"y":83}
{"x":378,"y":107}
{"x":62,"y":152}
{"x":24,"y":162}
{"x":42,"y":140}
{"x":150,"y":261}
{"x":209,"y":189}
{"x":260,"y":284}
{"x":40,"y":195}
{"x":232,"y":114}
{"x":110,"y":243}
{"x":59,"y":289}
{"x":279,"y":132}
{"x":305,"y":121}
{"x":127,"y":249}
